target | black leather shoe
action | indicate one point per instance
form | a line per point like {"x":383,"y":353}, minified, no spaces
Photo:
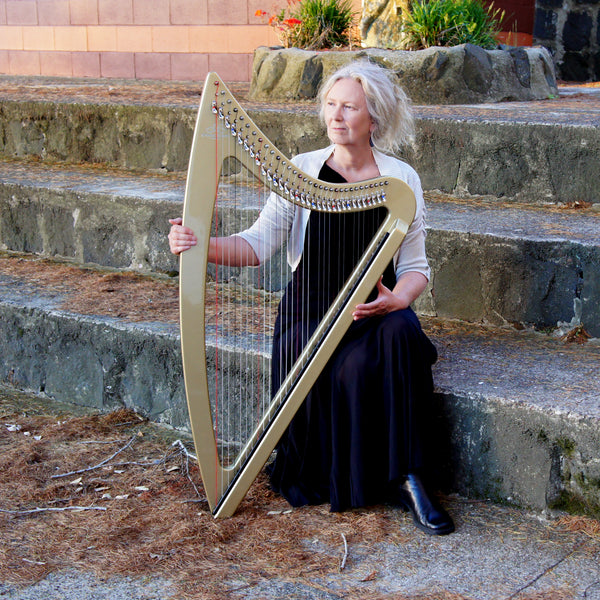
{"x":427,"y":515}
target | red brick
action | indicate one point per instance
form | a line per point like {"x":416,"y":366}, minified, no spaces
{"x":84,"y":12}
{"x":115,"y":12}
{"x":21,"y":12}
{"x":86,"y":64}
{"x":152,"y":65}
{"x":151,"y":12}
{"x":56,"y":64}
{"x":53,"y":12}
{"x":230,"y":67}
{"x":117,"y":64}
{"x":189,"y":67}
{"x":23,"y":62}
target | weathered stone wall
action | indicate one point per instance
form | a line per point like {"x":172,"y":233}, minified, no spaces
{"x":463,"y":74}
{"x":570,"y":29}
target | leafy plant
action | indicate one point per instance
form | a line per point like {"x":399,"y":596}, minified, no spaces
{"x":450,"y":23}
{"x":314,"y":24}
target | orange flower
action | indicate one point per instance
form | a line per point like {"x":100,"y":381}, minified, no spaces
{"x":260,"y":13}
{"x":291,"y":22}
{"x":272,"y":19}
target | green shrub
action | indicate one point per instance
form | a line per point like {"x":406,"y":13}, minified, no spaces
{"x":450,"y":23}
{"x":323,"y":24}
{"x":314,"y":24}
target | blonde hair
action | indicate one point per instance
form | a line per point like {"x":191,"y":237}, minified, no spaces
{"x":388,"y":105}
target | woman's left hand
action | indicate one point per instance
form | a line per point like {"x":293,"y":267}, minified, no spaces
{"x":385,"y":303}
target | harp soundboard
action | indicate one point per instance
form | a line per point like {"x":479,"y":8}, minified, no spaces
{"x":226,"y":135}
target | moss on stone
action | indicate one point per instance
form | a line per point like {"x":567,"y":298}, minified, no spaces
{"x":576,"y":504}
{"x":567,"y":446}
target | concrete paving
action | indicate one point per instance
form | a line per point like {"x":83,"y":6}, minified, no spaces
{"x":497,"y":553}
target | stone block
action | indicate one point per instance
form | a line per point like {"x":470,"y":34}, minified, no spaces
{"x":464,"y":74}
{"x":117,"y":64}
{"x":575,"y":66}
{"x":83,"y":12}
{"x":21,"y":12}
{"x":86,"y":64}
{"x":24,"y":62}
{"x":189,"y":67}
{"x":57,"y":64}
{"x":115,"y":12}
{"x":152,"y":65}
{"x":545,"y":24}
{"x":4,"y":66}
{"x":549,"y":3}
{"x":577,"y":31}
{"x":53,"y":12}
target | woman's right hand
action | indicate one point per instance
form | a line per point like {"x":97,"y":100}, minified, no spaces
{"x":180,"y":238}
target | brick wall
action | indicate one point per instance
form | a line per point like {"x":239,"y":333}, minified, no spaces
{"x":157,"y":39}
{"x":570,"y":29}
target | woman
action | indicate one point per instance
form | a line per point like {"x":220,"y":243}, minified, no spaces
{"x":358,"y":438}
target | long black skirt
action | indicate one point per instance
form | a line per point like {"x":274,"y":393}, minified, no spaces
{"x":361,"y":428}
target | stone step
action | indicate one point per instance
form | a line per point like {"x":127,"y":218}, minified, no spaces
{"x":543,"y":151}
{"x":492,"y":262}
{"x":519,"y":419}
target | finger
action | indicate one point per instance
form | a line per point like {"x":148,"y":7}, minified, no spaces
{"x":364,"y":310}
{"x":176,"y":221}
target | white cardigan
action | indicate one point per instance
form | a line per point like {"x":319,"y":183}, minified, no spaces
{"x":279,"y":217}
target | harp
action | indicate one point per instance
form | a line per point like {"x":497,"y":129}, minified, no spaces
{"x":226,"y":135}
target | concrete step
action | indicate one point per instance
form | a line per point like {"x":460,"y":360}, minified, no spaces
{"x":528,"y":151}
{"x":501,"y":263}
{"x":519,"y":419}
{"x":513,"y":264}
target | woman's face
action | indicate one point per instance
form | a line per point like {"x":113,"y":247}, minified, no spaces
{"x":346,"y":115}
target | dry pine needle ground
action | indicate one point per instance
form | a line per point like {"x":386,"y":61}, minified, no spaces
{"x":154,"y":522}
{"x":154,"y":519}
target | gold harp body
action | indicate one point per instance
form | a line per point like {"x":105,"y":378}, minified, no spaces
{"x":223,"y":130}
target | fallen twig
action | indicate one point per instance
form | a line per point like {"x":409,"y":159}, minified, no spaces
{"x":345,"y":557}
{"x":179,"y":444}
{"x":185,"y":453}
{"x":100,"y":464}
{"x":99,"y":441}
{"x":50,"y":509}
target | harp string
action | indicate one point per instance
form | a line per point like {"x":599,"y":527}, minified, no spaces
{"x":217,"y":166}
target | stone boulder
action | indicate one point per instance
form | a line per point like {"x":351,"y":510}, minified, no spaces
{"x":465,"y":74}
